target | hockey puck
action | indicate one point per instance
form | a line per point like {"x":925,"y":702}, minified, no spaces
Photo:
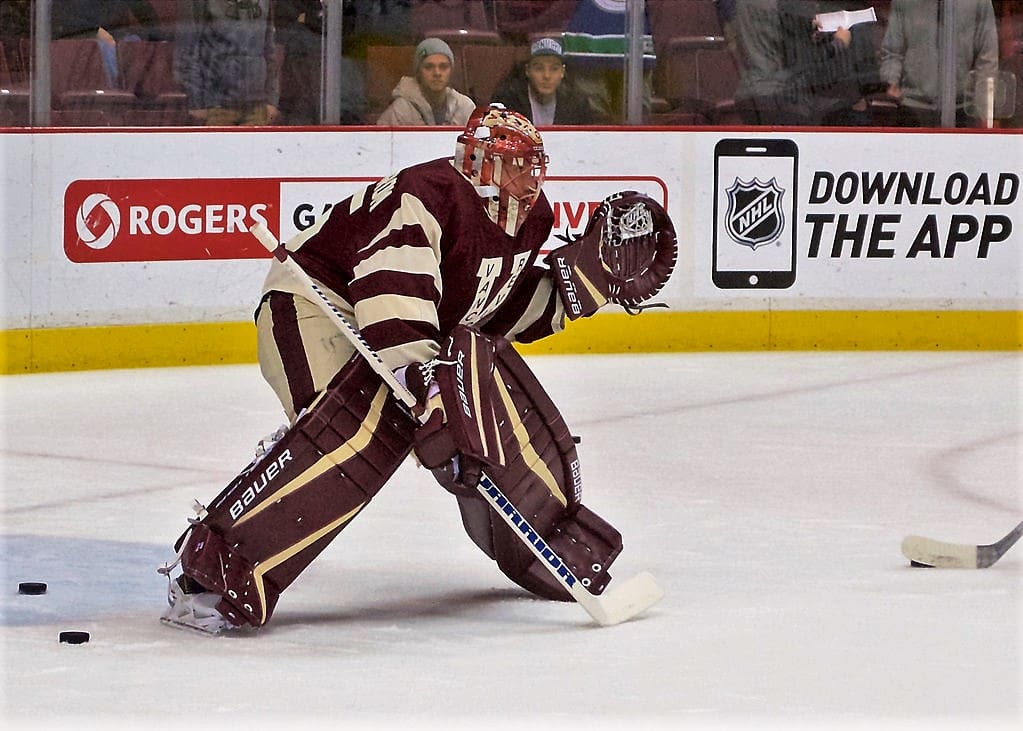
{"x":32,"y":587}
{"x":918,"y":565}
{"x":74,"y":638}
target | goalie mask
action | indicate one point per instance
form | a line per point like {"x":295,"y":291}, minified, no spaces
{"x":502,"y":155}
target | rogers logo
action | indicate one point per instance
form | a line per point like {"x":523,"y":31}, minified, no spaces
{"x":167,"y":220}
{"x":98,"y":221}
{"x":194,"y":219}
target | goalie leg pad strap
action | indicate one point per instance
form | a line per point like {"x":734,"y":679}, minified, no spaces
{"x":279,"y":514}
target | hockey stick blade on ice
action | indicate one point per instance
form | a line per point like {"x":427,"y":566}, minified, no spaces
{"x":929,"y":553}
{"x":620,"y":602}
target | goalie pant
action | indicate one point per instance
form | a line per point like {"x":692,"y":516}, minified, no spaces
{"x":272,"y":521}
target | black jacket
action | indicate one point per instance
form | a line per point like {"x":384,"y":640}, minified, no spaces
{"x":571,"y":108}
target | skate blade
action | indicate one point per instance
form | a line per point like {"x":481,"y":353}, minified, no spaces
{"x":178,"y":624}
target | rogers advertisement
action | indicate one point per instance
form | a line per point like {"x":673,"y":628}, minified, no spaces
{"x":167,"y":220}
{"x":207,"y":219}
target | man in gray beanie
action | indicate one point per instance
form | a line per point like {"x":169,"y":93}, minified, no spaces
{"x":425,"y":98}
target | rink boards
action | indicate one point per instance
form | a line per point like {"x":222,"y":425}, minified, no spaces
{"x":129,"y":247}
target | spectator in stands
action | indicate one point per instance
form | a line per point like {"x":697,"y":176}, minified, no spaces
{"x":15,"y":26}
{"x":225,"y":60}
{"x":15,"y":20}
{"x":109,"y":22}
{"x":539,"y":90}
{"x":299,"y":26}
{"x":841,"y":68}
{"x":426,"y":97}
{"x":596,"y":46}
{"x":790,"y":74}
{"x":910,"y":62}
{"x":1009,"y":15}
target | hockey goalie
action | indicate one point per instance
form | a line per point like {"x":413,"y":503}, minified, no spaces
{"x":439,"y":268}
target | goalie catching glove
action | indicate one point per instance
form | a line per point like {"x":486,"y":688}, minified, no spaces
{"x":625,"y":256}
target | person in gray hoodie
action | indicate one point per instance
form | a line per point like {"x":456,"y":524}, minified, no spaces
{"x":225,"y":60}
{"x":426,"y":97}
{"x":909,"y":56}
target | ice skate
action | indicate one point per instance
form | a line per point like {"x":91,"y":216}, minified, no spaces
{"x":191,"y":607}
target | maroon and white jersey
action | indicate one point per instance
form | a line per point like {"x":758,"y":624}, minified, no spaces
{"x":415,"y":254}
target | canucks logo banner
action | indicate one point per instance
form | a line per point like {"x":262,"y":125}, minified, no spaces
{"x":755,"y":216}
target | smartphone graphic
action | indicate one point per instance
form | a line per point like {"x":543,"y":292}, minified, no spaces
{"x":754,"y":213}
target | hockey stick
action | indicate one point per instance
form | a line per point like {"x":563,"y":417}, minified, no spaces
{"x":620,"y":602}
{"x":929,"y":553}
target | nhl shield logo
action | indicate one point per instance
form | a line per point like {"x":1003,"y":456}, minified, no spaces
{"x":754,"y":216}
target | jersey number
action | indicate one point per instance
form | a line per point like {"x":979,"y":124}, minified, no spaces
{"x":489,"y":273}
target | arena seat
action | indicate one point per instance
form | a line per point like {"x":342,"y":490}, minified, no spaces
{"x":14,"y":97}
{"x":385,"y":65}
{"x":147,"y":71}
{"x":78,"y":86}
{"x":487,"y":66}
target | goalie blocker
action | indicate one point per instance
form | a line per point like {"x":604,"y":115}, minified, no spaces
{"x":263,"y":530}
{"x":625,"y":256}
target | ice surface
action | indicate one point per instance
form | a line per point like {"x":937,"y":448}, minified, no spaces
{"x":768,"y":493}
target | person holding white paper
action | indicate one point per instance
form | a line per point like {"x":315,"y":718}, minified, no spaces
{"x":793,"y":74}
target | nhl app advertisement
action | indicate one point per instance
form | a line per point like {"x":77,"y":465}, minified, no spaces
{"x":808,"y":219}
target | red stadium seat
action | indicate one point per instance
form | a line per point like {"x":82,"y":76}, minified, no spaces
{"x":14,"y":97}
{"x":385,"y":65}
{"x":487,"y":66}
{"x":147,"y":71}
{"x":467,"y":14}
{"x":78,"y":84}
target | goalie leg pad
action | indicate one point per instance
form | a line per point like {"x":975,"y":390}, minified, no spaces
{"x":540,"y":474}
{"x":262,"y":531}
{"x":585,"y":542}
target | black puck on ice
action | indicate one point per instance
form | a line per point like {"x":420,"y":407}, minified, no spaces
{"x":32,"y":587}
{"x":74,"y":638}
{"x":918,"y":565}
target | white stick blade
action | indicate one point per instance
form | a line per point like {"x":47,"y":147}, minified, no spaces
{"x":938,"y":554}
{"x":624,"y":601}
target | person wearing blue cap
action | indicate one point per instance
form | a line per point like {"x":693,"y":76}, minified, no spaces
{"x":539,"y":91}
{"x":426,"y":97}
